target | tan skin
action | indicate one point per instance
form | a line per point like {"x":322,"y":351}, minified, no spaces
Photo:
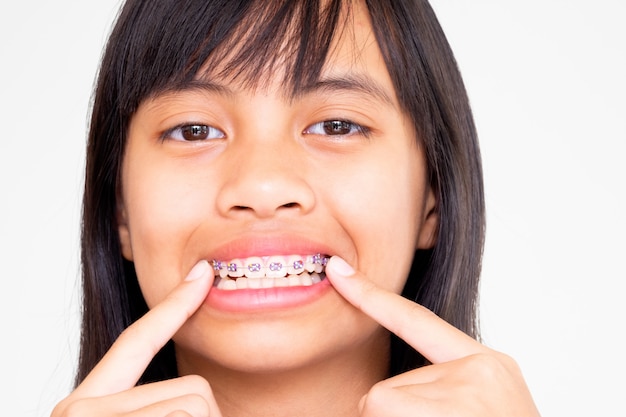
{"x":184,"y":201}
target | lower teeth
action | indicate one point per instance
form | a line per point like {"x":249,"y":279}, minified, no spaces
{"x":302,"y":280}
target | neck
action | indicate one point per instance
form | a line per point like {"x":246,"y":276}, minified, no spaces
{"x":332,"y":387}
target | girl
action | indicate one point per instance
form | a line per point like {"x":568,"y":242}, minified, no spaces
{"x":278,"y":194}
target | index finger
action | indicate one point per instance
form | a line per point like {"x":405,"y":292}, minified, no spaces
{"x":437,"y":340}
{"x":129,"y":356}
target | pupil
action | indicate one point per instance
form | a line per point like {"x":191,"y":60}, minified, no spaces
{"x":195,"y":132}
{"x":337,"y":127}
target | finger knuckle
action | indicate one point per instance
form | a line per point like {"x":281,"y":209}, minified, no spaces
{"x":491,"y":366}
{"x":58,"y":409}
{"x":179,"y":413}
{"x":509,"y":363}
{"x":72,"y":408}
{"x":199,"y":385}
{"x":137,"y":332}
{"x":197,"y":405}
{"x":375,"y":399}
{"x":416,"y":312}
{"x":134,"y":331}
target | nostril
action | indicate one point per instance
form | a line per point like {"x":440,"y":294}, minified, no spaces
{"x":278,"y":194}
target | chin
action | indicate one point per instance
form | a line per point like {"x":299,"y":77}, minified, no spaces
{"x":276,"y":344}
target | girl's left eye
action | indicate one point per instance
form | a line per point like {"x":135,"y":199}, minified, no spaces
{"x":194,"y":132}
{"x":336,"y":128}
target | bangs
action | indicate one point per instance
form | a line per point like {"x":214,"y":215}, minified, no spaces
{"x":172,"y":43}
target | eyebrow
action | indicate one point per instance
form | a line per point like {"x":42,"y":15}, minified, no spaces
{"x":204,"y":85}
{"x":363,"y":84}
{"x":359,"y":83}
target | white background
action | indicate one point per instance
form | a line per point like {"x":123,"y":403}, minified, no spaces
{"x":546,"y":80}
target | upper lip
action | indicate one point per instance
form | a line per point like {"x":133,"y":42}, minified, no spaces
{"x":280,"y":244}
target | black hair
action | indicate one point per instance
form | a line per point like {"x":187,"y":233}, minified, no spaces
{"x":161,"y":45}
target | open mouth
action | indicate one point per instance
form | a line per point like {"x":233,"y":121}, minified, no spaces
{"x":270,"y":271}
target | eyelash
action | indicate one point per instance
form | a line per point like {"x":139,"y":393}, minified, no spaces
{"x":206,"y":131}
{"x":353,"y":128}
{"x":320,"y":128}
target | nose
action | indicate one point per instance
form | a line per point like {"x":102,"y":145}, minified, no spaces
{"x":265,"y":179}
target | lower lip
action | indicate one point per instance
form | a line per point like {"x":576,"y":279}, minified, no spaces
{"x":263,"y":299}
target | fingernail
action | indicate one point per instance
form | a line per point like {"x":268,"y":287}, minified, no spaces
{"x":340,"y":266}
{"x":198,"y":271}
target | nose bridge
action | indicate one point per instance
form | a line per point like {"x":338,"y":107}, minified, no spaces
{"x":264,"y":177}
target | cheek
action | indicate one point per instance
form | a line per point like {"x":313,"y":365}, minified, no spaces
{"x":163,"y":211}
{"x":382,"y":217}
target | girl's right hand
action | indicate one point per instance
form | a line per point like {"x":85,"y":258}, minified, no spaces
{"x":110,"y":388}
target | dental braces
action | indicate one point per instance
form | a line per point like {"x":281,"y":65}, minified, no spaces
{"x":297,"y":265}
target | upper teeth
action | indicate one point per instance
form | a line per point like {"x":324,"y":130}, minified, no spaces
{"x":270,"y":266}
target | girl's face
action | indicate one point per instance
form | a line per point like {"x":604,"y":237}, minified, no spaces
{"x":256,"y":179}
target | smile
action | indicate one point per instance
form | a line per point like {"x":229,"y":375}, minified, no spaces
{"x":270,"y":272}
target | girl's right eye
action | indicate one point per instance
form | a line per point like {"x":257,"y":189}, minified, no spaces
{"x":193,"y":132}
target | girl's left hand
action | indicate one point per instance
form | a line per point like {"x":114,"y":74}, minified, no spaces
{"x":465,"y":379}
